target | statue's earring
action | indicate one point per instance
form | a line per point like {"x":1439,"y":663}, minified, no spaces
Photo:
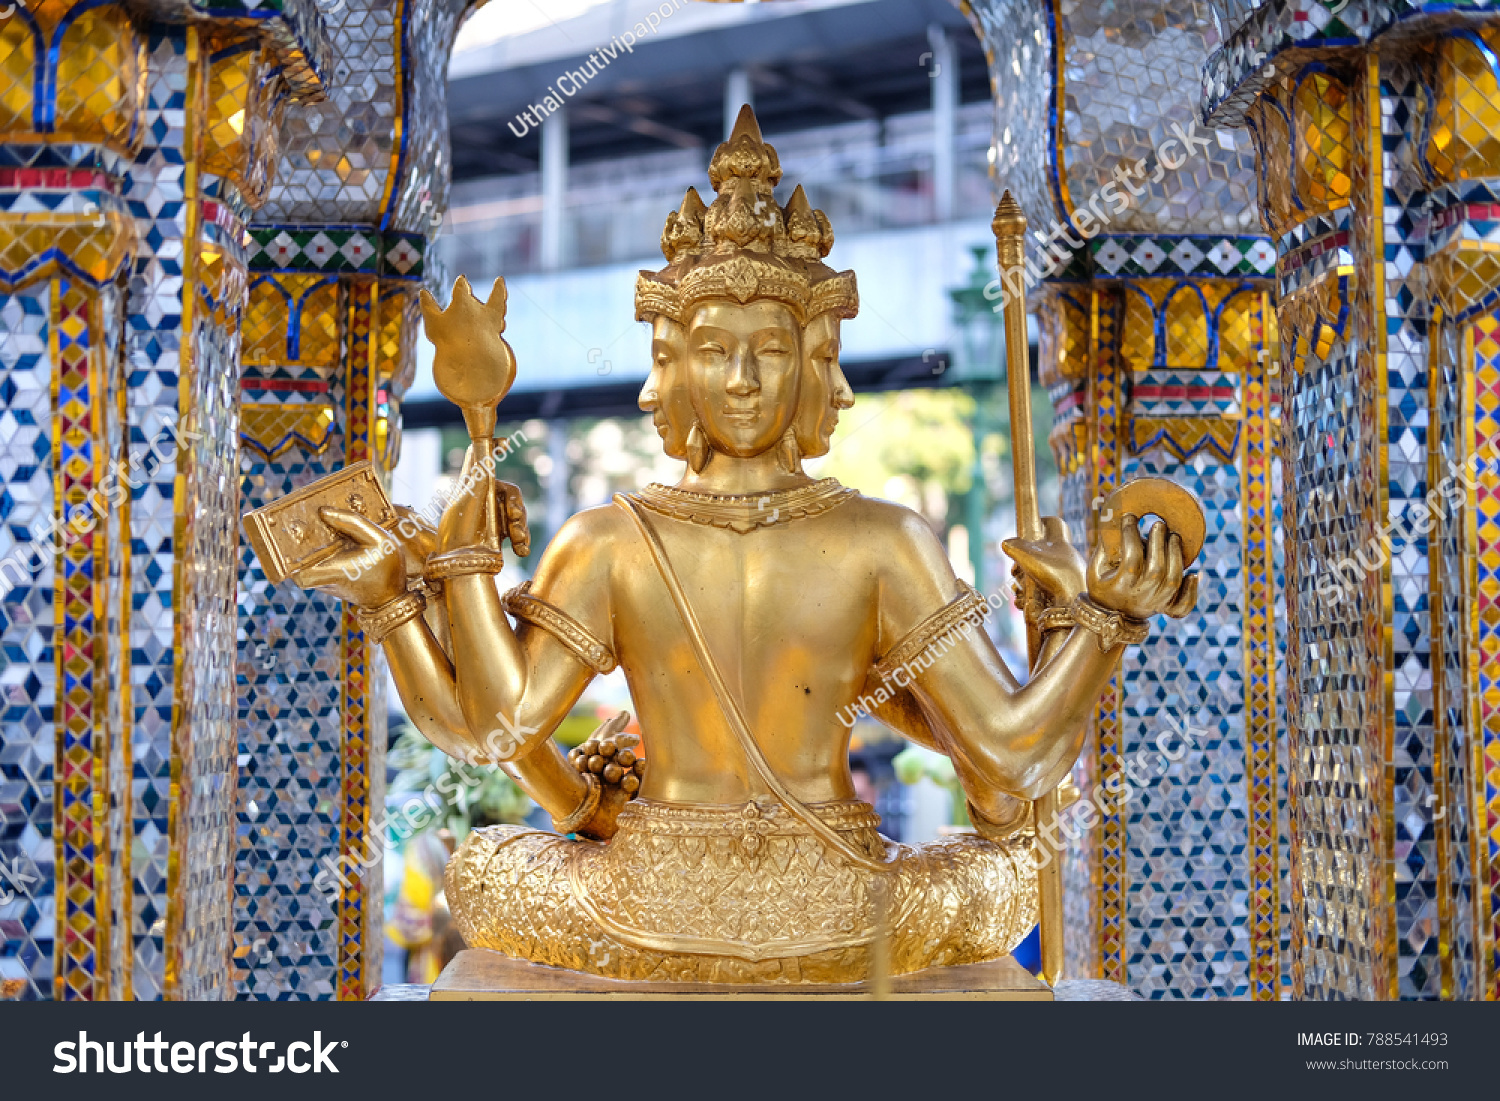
{"x":788,"y":454}
{"x":698,"y":450}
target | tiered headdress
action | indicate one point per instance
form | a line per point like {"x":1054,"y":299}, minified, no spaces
{"x":745,"y":246}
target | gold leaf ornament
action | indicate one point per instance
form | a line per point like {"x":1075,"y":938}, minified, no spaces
{"x":472,"y":365}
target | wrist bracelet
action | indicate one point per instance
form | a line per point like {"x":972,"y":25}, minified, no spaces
{"x":584,"y":810}
{"x":1030,"y":599}
{"x":1057,"y":617}
{"x":378,"y":623}
{"x":1040,"y":612}
{"x":461,"y":562}
{"x":1111,"y":627}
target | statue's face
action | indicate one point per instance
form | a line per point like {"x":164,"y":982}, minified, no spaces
{"x":825,"y":390}
{"x":665,"y":394}
{"x":744,"y":367}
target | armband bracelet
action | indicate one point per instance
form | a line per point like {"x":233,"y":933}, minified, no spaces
{"x":1111,"y":627}
{"x":534,"y":610}
{"x":585,"y":809}
{"x":968,"y":605}
{"x":378,"y":623}
{"x":461,"y":562}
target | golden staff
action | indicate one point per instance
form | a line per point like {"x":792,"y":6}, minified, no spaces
{"x":1009,"y":228}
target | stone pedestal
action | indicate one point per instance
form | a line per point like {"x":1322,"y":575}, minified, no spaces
{"x":479,"y":975}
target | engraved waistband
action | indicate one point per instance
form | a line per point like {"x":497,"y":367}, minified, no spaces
{"x":757,"y":914}
{"x":765,"y":816}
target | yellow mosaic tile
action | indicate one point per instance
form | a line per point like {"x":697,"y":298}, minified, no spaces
{"x":276,"y":301}
{"x":17,"y":76}
{"x":1321,"y":110}
{"x":1464,"y":142}
{"x":246,"y":96}
{"x":100,"y":78}
{"x":274,"y":429}
{"x":95,"y":244}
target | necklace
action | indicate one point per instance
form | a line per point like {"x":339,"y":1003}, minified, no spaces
{"x":747,"y":512}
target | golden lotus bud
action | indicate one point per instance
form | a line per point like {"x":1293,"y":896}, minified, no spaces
{"x":473,"y":366}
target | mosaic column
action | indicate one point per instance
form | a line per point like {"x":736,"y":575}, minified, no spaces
{"x":1377,"y":130}
{"x":131,"y":152}
{"x":1152,"y":285}
{"x":336,"y":257}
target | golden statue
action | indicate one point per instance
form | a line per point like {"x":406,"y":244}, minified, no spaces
{"x":749,"y":606}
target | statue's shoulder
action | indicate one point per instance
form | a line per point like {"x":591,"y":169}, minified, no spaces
{"x":887,"y":517}
{"x":593,"y":529}
{"x":901,"y":537}
{"x":580,"y":554}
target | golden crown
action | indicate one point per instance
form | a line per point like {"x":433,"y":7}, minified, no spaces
{"x":745,"y":246}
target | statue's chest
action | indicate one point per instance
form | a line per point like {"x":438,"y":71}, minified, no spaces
{"x":766,"y":587}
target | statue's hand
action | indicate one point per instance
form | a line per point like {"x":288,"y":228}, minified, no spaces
{"x":1052,"y":562}
{"x":1148,"y":579}
{"x":484,"y":512}
{"x":609,"y":754}
{"x":416,"y":538}
{"x":513,"y":514}
{"x":368,"y":572}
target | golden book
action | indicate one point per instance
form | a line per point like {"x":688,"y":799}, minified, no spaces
{"x":289,"y":534}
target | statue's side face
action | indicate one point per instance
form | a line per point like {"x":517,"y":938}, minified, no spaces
{"x":825,"y":389}
{"x":665,"y":394}
{"x":744,"y":365}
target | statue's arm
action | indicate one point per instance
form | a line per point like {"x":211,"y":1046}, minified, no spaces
{"x":903,"y":713}
{"x":426,"y":682}
{"x":487,"y":695}
{"x":515,"y":685}
{"x":1004,"y":739}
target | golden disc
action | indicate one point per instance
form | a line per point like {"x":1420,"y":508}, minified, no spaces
{"x":1176,"y":506}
